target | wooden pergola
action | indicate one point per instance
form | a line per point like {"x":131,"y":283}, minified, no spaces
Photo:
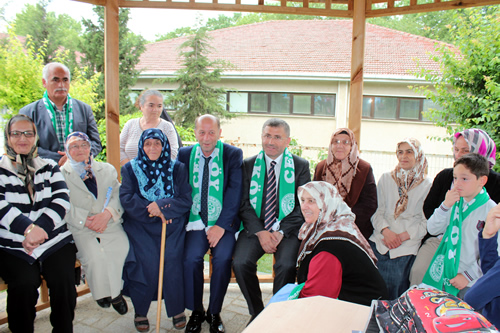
{"x":357,"y":10}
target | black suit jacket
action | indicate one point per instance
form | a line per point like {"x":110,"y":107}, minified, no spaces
{"x":291,"y":224}
{"x":231,"y":158}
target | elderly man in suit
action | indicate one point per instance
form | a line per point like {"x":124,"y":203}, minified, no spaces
{"x":57,"y":115}
{"x":215,"y":176}
{"x":270,"y":213}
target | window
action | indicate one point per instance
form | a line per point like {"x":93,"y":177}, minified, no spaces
{"x":282,"y":103}
{"x":397,"y":108}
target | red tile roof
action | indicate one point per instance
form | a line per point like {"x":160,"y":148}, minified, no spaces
{"x":301,"y":48}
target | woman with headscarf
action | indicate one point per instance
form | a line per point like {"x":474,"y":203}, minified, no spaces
{"x":150,"y":102}
{"x":34,"y":238}
{"x":468,"y":141}
{"x":155,"y":190}
{"x":335,"y":259}
{"x":352,"y":176}
{"x":95,"y":220}
{"x":399,"y":223}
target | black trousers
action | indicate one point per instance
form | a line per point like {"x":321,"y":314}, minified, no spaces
{"x":23,"y":279}
{"x":246,"y":254}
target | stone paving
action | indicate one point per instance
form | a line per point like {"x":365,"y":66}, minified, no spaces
{"x":90,"y":318}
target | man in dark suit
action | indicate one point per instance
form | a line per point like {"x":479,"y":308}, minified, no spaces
{"x":57,"y":114}
{"x":215,"y":176}
{"x":270,"y":212}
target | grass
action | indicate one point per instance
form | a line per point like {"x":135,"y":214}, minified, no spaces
{"x":264,"y":265}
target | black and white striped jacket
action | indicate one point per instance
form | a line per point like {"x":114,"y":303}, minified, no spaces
{"x":50,"y":204}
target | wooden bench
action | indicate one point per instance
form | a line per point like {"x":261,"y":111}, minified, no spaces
{"x":43,"y":301}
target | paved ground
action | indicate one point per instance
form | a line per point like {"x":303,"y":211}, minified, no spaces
{"x":90,"y":318}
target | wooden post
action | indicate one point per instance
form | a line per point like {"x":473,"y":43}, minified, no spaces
{"x":357,"y":65}
{"x":111,"y":80}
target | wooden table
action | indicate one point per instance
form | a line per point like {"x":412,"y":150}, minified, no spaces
{"x":313,"y":314}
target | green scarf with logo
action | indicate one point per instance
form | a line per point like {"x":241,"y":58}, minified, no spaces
{"x":444,"y":264}
{"x":52,"y":113}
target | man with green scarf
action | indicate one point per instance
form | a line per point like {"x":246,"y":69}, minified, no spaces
{"x":215,"y":176}
{"x":57,"y":115}
{"x":270,"y":213}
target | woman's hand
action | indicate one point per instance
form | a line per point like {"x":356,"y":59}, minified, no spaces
{"x":163,"y":220}
{"x":154,"y":210}
{"x":34,"y":237}
{"x":459,"y":281}
{"x":391,"y":239}
{"x":98,"y":222}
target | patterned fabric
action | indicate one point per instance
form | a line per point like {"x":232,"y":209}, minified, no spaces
{"x":204,"y":190}
{"x":443,"y":266}
{"x":270,"y":209}
{"x":154,"y":177}
{"x":335,"y":221}
{"x":479,"y":142}
{"x":341,"y":172}
{"x":83,"y":169}
{"x":61,"y":120}
{"x":409,"y":179}
{"x":25,"y":163}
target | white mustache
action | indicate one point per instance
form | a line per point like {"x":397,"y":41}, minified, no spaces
{"x":61,"y":89}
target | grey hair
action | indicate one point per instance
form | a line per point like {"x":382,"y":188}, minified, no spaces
{"x":150,"y":92}
{"x":45,"y":71}
{"x":276,"y":122}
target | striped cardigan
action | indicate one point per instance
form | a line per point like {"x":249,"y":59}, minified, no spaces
{"x":51,"y":202}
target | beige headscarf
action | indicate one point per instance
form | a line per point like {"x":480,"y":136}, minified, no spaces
{"x":335,"y":222}
{"x":409,"y":179}
{"x":341,"y":172}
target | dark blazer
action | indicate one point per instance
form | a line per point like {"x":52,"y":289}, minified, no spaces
{"x":232,"y":159}
{"x":291,"y":224}
{"x":48,"y":145}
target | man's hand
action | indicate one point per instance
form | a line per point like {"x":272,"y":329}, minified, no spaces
{"x":459,"y":281}
{"x":268,"y":241}
{"x":279,"y":236}
{"x":391,"y":239}
{"x":214,"y":234}
{"x":98,"y":222}
{"x":63,"y":159}
{"x":451,"y":197}
{"x":492,"y":224}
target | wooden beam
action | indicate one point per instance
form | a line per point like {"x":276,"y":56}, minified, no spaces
{"x":92,"y":2}
{"x":428,"y":7}
{"x":357,"y":65}
{"x":111,"y":82}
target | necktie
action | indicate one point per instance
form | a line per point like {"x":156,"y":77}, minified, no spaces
{"x":270,"y":210}
{"x":204,"y":191}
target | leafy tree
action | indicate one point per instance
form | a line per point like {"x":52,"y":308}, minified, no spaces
{"x":21,"y":76}
{"x":195,"y":96}
{"x":179,"y":32}
{"x":48,"y":30}
{"x":468,"y":89}
{"x":131,"y":48}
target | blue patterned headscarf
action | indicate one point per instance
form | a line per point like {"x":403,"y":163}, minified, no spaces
{"x":154,"y":177}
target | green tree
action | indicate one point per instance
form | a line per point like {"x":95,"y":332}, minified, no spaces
{"x":468,"y":89}
{"x":179,"y":32}
{"x":195,"y":95}
{"x":131,"y":48}
{"x":46,"y":27}
{"x":21,"y":76}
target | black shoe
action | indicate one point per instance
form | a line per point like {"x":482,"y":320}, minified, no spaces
{"x":216,"y":325}
{"x":195,"y":320}
{"x":104,"y":302}
{"x":120,"y":304}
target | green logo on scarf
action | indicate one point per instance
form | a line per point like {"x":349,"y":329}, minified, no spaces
{"x":444,"y":264}
{"x":216,"y":186}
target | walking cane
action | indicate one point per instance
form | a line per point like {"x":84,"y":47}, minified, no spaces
{"x":160,"y":276}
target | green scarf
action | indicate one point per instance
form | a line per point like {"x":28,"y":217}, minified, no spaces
{"x":286,"y":184}
{"x":216,"y":186}
{"x":444,"y":264}
{"x":52,"y":113}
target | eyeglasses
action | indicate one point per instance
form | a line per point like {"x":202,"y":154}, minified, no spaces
{"x":269,"y":137}
{"x":18,"y":134}
{"x":341,"y":142}
{"x":84,"y":145}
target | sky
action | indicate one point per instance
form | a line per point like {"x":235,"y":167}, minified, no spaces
{"x":145,"y":22}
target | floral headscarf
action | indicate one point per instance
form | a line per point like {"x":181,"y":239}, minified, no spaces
{"x":409,"y":179}
{"x":479,"y":142}
{"x":341,"y":172}
{"x":154,"y":177}
{"x":335,"y":221}
{"x":24,"y":163}
{"x":84,"y":169}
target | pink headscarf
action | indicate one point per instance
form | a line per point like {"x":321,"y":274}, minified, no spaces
{"x":480,"y":143}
